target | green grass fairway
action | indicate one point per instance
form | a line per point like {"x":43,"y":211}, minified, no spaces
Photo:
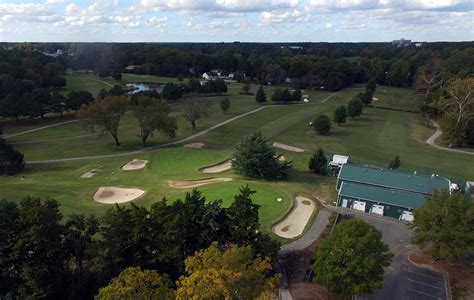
{"x":374,"y":138}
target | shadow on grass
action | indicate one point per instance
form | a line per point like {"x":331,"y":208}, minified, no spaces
{"x":52,"y":167}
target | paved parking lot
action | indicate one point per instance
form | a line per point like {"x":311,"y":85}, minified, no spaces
{"x":403,"y":280}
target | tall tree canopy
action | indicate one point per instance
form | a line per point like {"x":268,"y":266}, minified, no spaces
{"x":444,"y":225}
{"x":351,"y":260}
{"x":105,"y":113}
{"x":255,"y":157}
{"x":233,"y":273}
{"x":134,"y":283}
{"x":152,"y":115}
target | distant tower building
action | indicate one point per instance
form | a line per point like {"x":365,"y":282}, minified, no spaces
{"x":401,"y":43}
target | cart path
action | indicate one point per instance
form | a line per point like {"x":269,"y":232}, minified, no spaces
{"x":328,"y":98}
{"x":37,"y":129}
{"x":432,"y":140}
{"x":180,"y":141}
{"x":314,"y":232}
{"x":55,"y":139}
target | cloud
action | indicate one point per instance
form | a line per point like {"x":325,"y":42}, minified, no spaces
{"x":328,"y":25}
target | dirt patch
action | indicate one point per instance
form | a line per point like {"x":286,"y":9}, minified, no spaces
{"x":90,"y":173}
{"x":135,"y":164}
{"x":280,"y":157}
{"x":217,"y":168}
{"x":196,"y":145}
{"x":184,"y":184}
{"x":112,"y":195}
{"x":293,"y":224}
{"x":287,"y":147}
{"x":296,"y":265}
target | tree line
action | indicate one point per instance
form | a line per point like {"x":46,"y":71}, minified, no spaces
{"x":44,"y":255}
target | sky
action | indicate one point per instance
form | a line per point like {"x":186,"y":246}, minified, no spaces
{"x":235,"y":20}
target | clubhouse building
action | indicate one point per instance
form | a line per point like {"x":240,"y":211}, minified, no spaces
{"x":385,"y":192}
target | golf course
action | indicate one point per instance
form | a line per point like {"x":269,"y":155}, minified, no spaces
{"x":58,"y":156}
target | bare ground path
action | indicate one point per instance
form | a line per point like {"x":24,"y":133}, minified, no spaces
{"x":180,"y":141}
{"x":432,"y":140}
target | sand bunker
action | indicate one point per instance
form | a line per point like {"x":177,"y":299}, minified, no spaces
{"x":194,"y":145}
{"x":375,"y":99}
{"x":280,"y":157}
{"x":134,"y":165}
{"x":294,"y":223}
{"x":90,"y":173}
{"x":112,"y":195}
{"x":217,"y":168}
{"x":287,"y":147}
{"x":184,"y":184}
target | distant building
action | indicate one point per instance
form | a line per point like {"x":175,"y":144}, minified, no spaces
{"x":58,"y":53}
{"x":385,"y":192}
{"x":131,"y":67}
{"x":401,"y":43}
{"x":213,"y":75}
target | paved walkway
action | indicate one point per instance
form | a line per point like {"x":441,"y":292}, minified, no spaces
{"x":311,"y":235}
{"x":37,"y":129}
{"x":432,"y":140}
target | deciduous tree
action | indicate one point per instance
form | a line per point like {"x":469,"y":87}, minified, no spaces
{"x":233,"y":273}
{"x":351,"y":260}
{"x":224,"y":104}
{"x":458,"y":108}
{"x":322,"y":124}
{"x":354,"y":108}
{"x":105,"y":113}
{"x":444,"y":225}
{"x":134,"y":283}
{"x":195,"y":110}
{"x":340,"y":115}
{"x":152,"y":115}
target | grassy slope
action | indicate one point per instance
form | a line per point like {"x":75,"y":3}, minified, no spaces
{"x":375,"y":138}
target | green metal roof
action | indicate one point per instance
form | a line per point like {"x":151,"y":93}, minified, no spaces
{"x":382,"y":195}
{"x":412,"y":182}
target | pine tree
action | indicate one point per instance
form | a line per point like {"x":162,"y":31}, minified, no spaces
{"x":261,"y":97}
{"x":394,"y":164}
{"x":318,"y":162}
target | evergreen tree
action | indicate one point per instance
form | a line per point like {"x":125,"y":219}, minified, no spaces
{"x":11,"y":160}
{"x":296,"y":95}
{"x":277,"y":95}
{"x":243,"y":218}
{"x":322,"y":124}
{"x":367,"y":97}
{"x":340,"y":115}
{"x":394,"y":164}
{"x":371,"y":84}
{"x":256,"y":158}
{"x":260,"y":97}
{"x":318,"y":162}
{"x":286,"y":96}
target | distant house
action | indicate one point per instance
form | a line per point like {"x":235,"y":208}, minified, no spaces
{"x":213,"y":75}
{"x":58,"y":53}
{"x":401,"y":43}
{"x":288,"y":80}
{"x":131,"y":67}
{"x":231,"y":75}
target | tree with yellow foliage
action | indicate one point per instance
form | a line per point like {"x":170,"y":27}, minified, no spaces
{"x":134,"y":283}
{"x":233,"y":273}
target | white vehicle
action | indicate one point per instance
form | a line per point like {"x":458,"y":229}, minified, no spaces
{"x":305,"y":100}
